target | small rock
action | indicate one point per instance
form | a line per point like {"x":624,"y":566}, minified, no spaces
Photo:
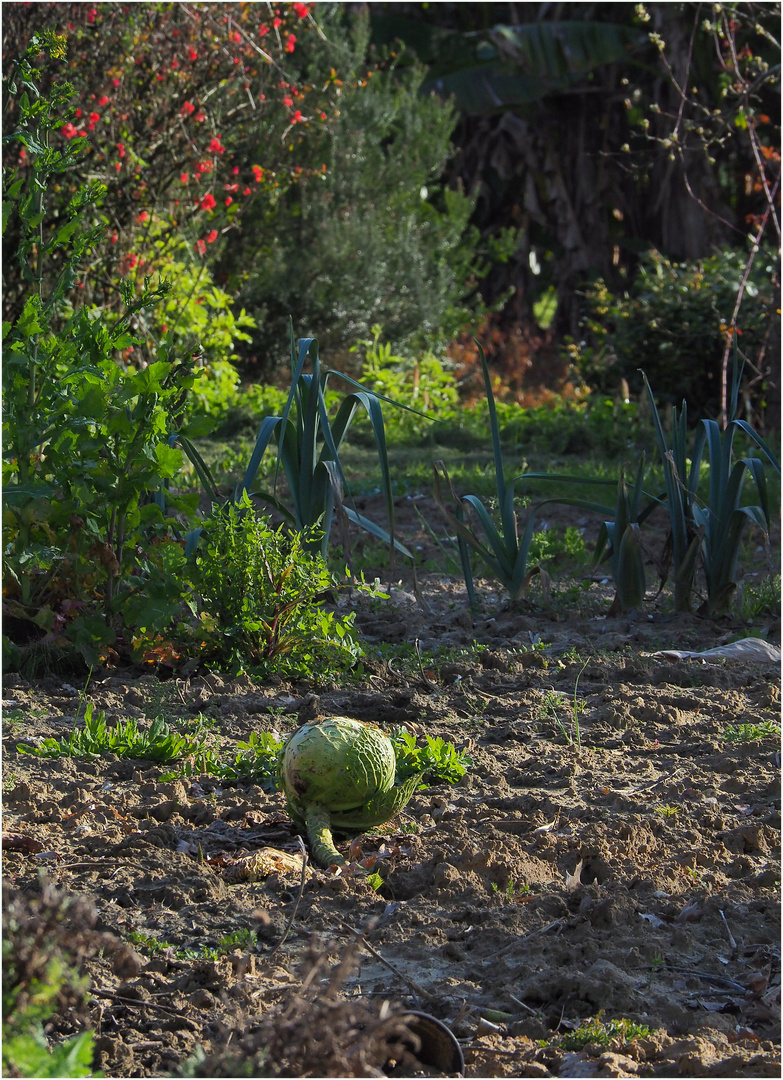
{"x":134,"y":696}
{"x":127,"y":963}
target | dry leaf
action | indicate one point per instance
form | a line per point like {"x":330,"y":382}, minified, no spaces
{"x":573,"y":881}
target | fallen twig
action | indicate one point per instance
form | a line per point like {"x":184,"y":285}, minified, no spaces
{"x":287,"y":930}
{"x":419,"y":990}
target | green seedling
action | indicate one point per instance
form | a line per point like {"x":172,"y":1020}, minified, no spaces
{"x":512,"y":891}
{"x":752,"y":732}
{"x":602,"y":1033}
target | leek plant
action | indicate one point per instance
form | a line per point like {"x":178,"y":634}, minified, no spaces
{"x":619,"y":538}
{"x":506,"y":555}
{"x":711,"y":530}
{"x":501,"y":550}
{"x":308,"y":444}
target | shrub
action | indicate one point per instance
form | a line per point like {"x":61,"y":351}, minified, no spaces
{"x":425,"y":384}
{"x":672,"y":322}
{"x":369,"y":234}
{"x":260,"y":599}
{"x":88,"y":444}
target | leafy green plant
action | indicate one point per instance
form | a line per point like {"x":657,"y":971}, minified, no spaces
{"x":619,"y":537}
{"x":710,"y":531}
{"x":125,"y":739}
{"x":424,"y":384}
{"x":255,"y":760}
{"x":549,"y":545}
{"x":260,"y":597}
{"x":435,"y":762}
{"x":761,"y":599}
{"x":44,"y":940}
{"x":752,"y":732}
{"x":596,"y":1030}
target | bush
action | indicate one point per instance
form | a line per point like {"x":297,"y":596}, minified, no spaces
{"x":369,"y":234}
{"x":260,"y":599}
{"x":425,"y":384}
{"x":672,"y":322}
{"x":91,"y":547}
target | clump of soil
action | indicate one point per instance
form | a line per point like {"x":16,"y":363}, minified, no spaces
{"x":611,"y":852}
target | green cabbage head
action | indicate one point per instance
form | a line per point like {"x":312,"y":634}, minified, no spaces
{"x":341,"y":773}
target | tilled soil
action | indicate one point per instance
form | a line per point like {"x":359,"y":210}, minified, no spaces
{"x":610,"y":852}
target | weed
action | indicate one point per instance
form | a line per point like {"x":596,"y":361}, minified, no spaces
{"x":667,"y":811}
{"x":595,"y":1030}
{"x":45,"y":940}
{"x":553,"y":704}
{"x":760,"y":599}
{"x":752,"y":732}
{"x":148,"y":942}
{"x":125,"y":739}
{"x":437,"y":761}
{"x":512,"y":891}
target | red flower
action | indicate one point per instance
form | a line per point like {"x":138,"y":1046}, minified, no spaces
{"x":68,"y":130}
{"x":212,"y":236}
{"x":288,"y":102}
{"x":289,"y":45}
{"x":201,"y":247}
{"x":322,"y":115}
{"x":297,"y":117}
{"x":235,"y":171}
{"x":200,"y":116}
{"x":215,"y":146}
{"x":91,"y":15}
{"x":192,"y":53}
{"x":120,"y":149}
{"x":104,"y":100}
{"x":114,"y":238}
{"x":187,"y":109}
{"x":229,"y":200}
{"x":246,"y":191}
{"x":237,"y":37}
{"x":143,"y":216}
{"x":300,"y":10}
{"x":263,"y":30}
{"x":183,"y":178}
{"x":258,"y":173}
{"x":277,"y":22}
{"x":208,"y":202}
{"x":115,"y":83}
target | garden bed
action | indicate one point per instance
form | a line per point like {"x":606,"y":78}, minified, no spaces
{"x":612,"y":853}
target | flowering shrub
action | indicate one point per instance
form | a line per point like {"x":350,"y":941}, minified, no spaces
{"x":174,"y":101}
